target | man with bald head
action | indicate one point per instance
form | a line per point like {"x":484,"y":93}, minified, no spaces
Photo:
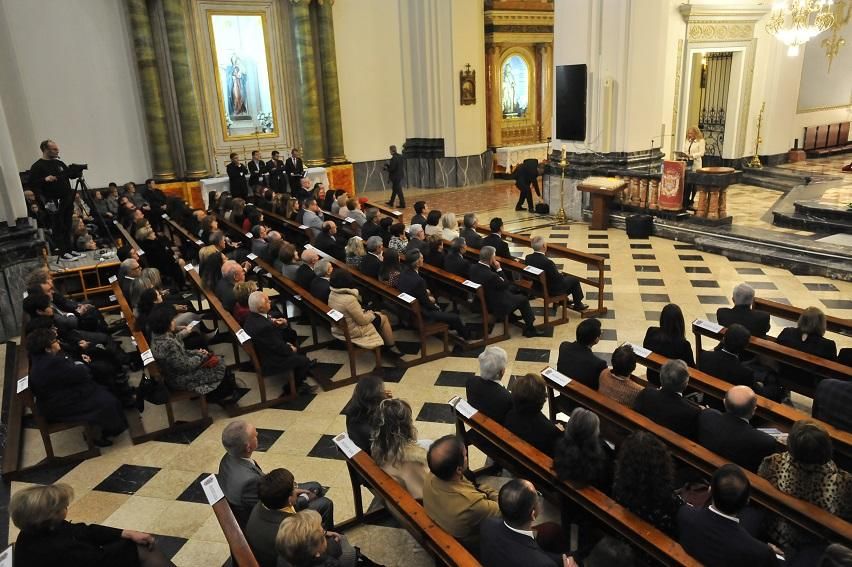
{"x":730,"y":435}
{"x":305,"y":273}
{"x":328,"y":242}
{"x":451,"y":500}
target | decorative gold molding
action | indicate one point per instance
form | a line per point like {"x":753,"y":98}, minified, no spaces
{"x":517,"y":17}
{"x":713,"y":31}
{"x":821,"y":108}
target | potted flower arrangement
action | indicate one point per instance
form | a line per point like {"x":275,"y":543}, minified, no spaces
{"x":264,"y":119}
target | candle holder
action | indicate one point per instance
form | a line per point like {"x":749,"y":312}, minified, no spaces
{"x":561,"y":216}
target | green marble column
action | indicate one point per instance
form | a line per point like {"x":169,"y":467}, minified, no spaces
{"x":313,"y":138}
{"x":159,"y":142}
{"x":193,"y":140}
{"x":330,"y":92}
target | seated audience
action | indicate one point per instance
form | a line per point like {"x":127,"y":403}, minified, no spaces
{"x":420,"y":212}
{"x":501,"y":301}
{"x":339,"y":203}
{"x":398,"y":241}
{"x":394,"y":446}
{"x":666,"y":405}
{"x":807,"y":336}
{"x":161,"y":256}
{"x":511,"y":541}
{"x":353,"y":211}
{"x":279,"y":497}
{"x":371,"y":262}
{"x":495,"y":239}
{"x":669,"y":339}
{"x":312,"y":217}
{"x":618,"y":382}
{"x":360,"y":410}
{"x":757,"y":322}
{"x":65,"y":391}
{"x":525,"y":418}
{"x":232,"y":274}
{"x":303,"y":542}
{"x":434,"y":251}
{"x":731,"y":436}
{"x":454,"y":260}
{"x":577,"y":361}
{"x":433,"y":223}
{"x":242,"y":291}
{"x":725,"y":362}
{"x":557,"y":282}
{"x":47,"y":538}
{"x":581,"y":455}
{"x":274,"y":342}
{"x":832,"y":401}
{"x":354,"y":251}
{"x":328,"y":242}
{"x":391,"y":268}
{"x":714,"y":535}
{"x":412,"y":283}
{"x":288,"y":261}
{"x":305,"y":273}
{"x":416,"y":239}
{"x":452,"y":501}
{"x":371,"y":227}
{"x":484,"y":392}
{"x":210,"y":269}
{"x":469,"y":232}
{"x":807,"y":471}
{"x":239,"y":476}
{"x":367,"y":329}
{"x":128,"y":271}
{"x":643,"y":481}
{"x":449,"y":226}
{"x":259,"y":242}
{"x":320,"y":285}
{"x":198,"y":370}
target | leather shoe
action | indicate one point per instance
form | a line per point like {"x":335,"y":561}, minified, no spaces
{"x":579,"y":307}
{"x":532,"y":332}
{"x":520,"y":209}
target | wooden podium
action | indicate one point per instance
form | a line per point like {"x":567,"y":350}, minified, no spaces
{"x":602,"y":190}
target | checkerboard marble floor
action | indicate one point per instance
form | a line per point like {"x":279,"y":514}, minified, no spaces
{"x":155,"y":486}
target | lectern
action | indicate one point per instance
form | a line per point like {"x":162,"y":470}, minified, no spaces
{"x":602,"y":190}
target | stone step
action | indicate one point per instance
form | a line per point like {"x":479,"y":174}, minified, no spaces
{"x":810,"y":222}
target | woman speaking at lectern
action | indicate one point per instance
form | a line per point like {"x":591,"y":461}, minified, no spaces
{"x":695,"y":148}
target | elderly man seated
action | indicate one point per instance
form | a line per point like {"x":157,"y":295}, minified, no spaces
{"x":484,"y":392}
{"x":305,"y":274}
{"x":557,"y":282}
{"x":232,"y":274}
{"x":239,"y":476}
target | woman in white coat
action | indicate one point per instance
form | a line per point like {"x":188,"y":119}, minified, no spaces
{"x":695,"y":148}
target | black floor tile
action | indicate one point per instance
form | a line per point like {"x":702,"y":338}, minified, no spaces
{"x":46,"y":475}
{"x":170,"y":545}
{"x":750,"y":271}
{"x":184,"y":436}
{"x":652,"y":316}
{"x":194,"y":492}
{"x":298,"y":404}
{"x":644,"y":257}
{"x":610,"y":314}
{"x":684,"y":247}
{"x":690,"y":257}
{"x":326,"y":449}
{"x":762,"y":285}
{"x":473,"y":353}
{"x":696,"y":269}
{"x":783,"y":300}
{"x":127,"y":479}
{"x":654,"y":297}
{"x":704,"y":283}
{"x":640,"y":246}
{"x":436,"y":413}
{"x":267,"y":437}
{"x":593,"y":245}
{"x":602,"y":254}
{"x":408,"y":347}
{"x":821,"y":287}
{"x":325,"y":370}
{"x":392,"y":373}
{"x":593,"y":236}
{"x":593,"y":296}
{"x":655,"y":269}
{"x":713,"y":300}
{"x":454,"y":378}
{"x":609,"y":335}
{"x":533,"y":355}
{"x":837,"y":303}
{"x":652,"y":282}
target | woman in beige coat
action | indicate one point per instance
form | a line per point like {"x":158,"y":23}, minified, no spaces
{"x":395,"y":447}
{"x":367,"y":329}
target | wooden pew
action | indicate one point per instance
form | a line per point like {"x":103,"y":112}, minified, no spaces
{"x":395,"y":214}
{"x":559,"y":251}
{"x":769,"y":348}
{"x":241,"y":553}
{"x":790,"y":313}
{"x":412,"y":308}
{"x":623,"y":421}
{"x":241,"y":340}
{"x":302,"y":233}
{"x":778,"y":415}
{"x":363,"y":470}
{"x":527,"y":461}
{"x":130,"y":241}
{"x":137,"y":428}
{"x":351,"y":228}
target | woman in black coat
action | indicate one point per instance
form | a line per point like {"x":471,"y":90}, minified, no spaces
{"x":161,"y":256}
{"x":65,"y":391}
{"x":669,"y":339}
{"x":807,"y":336}
{"x":359,"y":411}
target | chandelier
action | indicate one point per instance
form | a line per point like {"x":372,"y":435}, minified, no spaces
{"x":794,"y":22}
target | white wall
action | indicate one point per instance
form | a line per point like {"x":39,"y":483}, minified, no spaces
{"x":73,"y":79}
{"x":468,"y":48}
{"x":369,"y":70}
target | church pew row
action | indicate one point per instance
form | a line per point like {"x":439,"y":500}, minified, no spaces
{"x":299,"y":234}
{"x":241,"y":553}
{"x":404,"y":304}
{"x":396,"y":214}
{"x":138,"y":434}
{"x":364,"y":470}
{"x":240,"y":340}
{"x":347,"y":225}
{"x":621,"y":421}
{"x":559,"y":251}
{"x":778,"y":415}
{"x":766,"y":347}
{"x":791,"y":313}
{"x":526,"y":461}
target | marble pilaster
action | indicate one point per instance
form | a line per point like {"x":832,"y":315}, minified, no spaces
{"x":330,"y":90}
{"x":313,"y":136}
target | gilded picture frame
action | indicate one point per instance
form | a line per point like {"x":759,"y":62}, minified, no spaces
{"x":467,"y":86}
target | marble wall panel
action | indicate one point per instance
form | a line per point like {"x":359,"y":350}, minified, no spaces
{"x":441,"y":172}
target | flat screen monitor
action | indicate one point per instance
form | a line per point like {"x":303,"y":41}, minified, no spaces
{"x":571,"y":102}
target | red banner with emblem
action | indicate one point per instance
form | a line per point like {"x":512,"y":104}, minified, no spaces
{"x":672,"y":185}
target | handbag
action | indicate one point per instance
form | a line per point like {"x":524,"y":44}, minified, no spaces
{"x":212,"y":361}
{"x":542,"y":208}
{"x":152,"y":391}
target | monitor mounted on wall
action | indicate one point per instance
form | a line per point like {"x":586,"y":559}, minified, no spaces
{"x":571,"y":102}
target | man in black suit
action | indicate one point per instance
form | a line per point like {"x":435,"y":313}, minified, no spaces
{"x":412,"y":283}
{"x":371,"y":227}
{"x":305,"y":273}
{"x":294,"y":169}
{"x":420,"y":211}
{"x":510,"y":541}
{"x":371,"y":263}
{"x":714,"y":535}
{"x":498,"y":296}
{"x":417,"y":239}
{"x":396,"y":172}
{"x":757,"y":322}
{"x":576,"y":360}
{"x":730,"y":435}
{"x":327,"y":241}
{"x":484,"y":392}
{"x":273,"y":350}
{"x":321,"y":284}
{"x":237,"y":177}
{"x":526,"y":175}
{"x":275,"y":167}
{"x":557,"y":282}
{"x":232,"y":274}
{"x":832,"y":403}
{"x":469,"y":232}
{"x":256,"y":169}
{"x":666,"y":405}
{"x":495,"y":239}
{"x":724,"y":362}
{"x":454,"y":260}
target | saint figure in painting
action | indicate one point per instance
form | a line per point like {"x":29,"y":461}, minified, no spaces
{"x":236,"y":88}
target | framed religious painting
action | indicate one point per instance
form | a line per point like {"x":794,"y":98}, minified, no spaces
{"x":238,"y":42}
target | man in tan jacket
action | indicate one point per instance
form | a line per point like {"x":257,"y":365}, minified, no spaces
{"x":451,"y":500}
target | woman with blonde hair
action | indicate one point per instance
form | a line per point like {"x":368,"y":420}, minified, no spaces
{"x":695,"y":149}
{"x":355,"y":251}
{"x":449,"y":226}
{"x":395,"y":447}
{"x":48,"y":539}
{"x":807,"y":336}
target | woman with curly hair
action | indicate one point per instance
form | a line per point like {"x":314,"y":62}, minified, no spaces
{"x":395,"y":448}
{"x":581,"y":454}
{"x":644,"y":481}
